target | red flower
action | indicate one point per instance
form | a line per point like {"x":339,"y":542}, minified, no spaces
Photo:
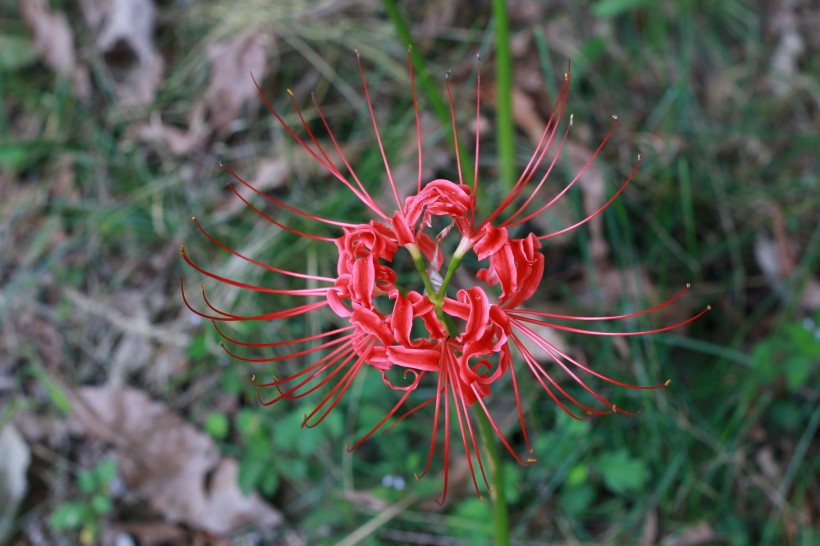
{"x":468,"y":343}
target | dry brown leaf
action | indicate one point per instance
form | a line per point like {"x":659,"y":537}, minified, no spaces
{"x":777,"y":258}
{"x":153,"y":533}
{"x":526,"y":115}
{"x":649,"y":534}
{"x":784,"y":63}
{"x":129,"y":23}
{"x":702,"y":533}
{"x":54,"y":42}
{"x":14,"y":460}
{"x":178,"y":141}
{"x":177,"y":468}
{"x":231,"y":85}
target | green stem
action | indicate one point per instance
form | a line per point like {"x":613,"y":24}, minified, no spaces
{"x":418,"y":262}
{"x":455,"y":261}
{"x":498,"y":495}
{"x":505,"y":131}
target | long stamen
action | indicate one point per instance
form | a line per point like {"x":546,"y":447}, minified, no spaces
{"x":286,"y":313}
{"x":477,"y":136}
{"x":293,"y":392}
{"x":439,"y":388}
{"x":538,"y":154}
{"x":538,"y":372}
{"x":453,"y":122}
{"x":327,"y":164}
{"x":289,"y":356}
{"x":416,"y":111}
{"x":577,"y":177}
{"x":362,"y":193}
{"x":610,"y":317}
{"x":495,"y":427}
{"x":255,"y":288}
{"x":601,"y":209}
{"x":342,"y":353}
{"x":285,"y":206}
{"x":344,"y":357}
{"x":341,"y":387}
{"x":229,"y":339}
{"x":378,"y":136}
{"x":587,"y":369}
{"x":446,"y":382}
{"x":467,"y":451}
{"x":257,"y":262}
{"x":549,"y":348}
{"x":520,"y":410}
{"x":595,"y":333}
{"x":384,"y":420}
{"x":290,"y":131}
{"x":546,"y":176}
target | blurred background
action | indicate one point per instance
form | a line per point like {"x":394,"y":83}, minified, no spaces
{"x":122,"y":420}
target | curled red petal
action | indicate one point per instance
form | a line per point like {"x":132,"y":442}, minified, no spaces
{"x":372,"y":323}
{"x":491,"y":241}
{"x":418,"y":359}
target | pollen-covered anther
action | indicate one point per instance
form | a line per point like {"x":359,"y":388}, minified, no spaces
{"x":667,"y":382}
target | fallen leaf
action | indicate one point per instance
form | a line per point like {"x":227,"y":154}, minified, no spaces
{"x":54,"y":43}
{"x":177,"y":468}
{"x":178,"y":141}
{"x":777,"y":258}
{"x":650,"y":529}
{"x":14,"y":461}
{"x":129,"y":23}
{"x":231,"y":85}
{"x":784,"y":61}
{"x":153,"y":533}
{"x":701,"y":533}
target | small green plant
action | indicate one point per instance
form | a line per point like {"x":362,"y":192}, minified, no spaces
{"x":274,"y":448}
{"x":791,"y":352}
{"x":83,"y":515}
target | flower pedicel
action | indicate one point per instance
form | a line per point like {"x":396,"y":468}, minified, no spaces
{"x":466,"y":339}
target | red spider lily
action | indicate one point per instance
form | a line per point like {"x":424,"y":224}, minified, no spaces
{"x":468,"y":342}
